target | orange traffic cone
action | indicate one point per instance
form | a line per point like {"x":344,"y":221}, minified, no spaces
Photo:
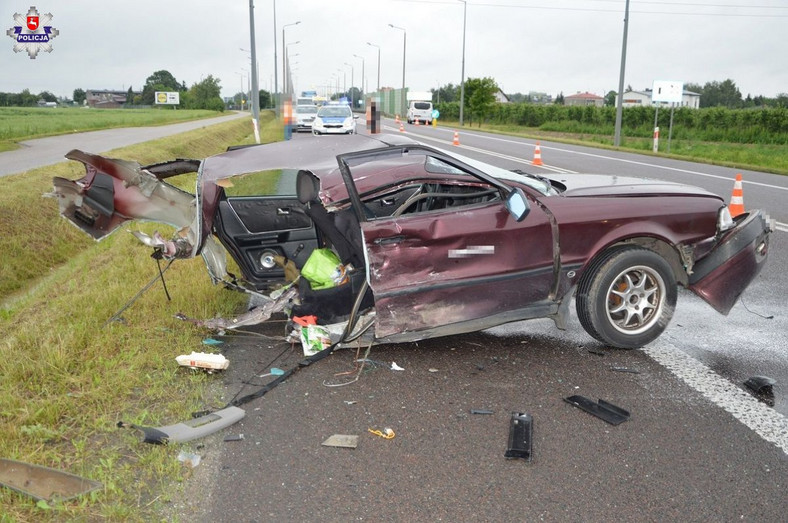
{"x":456,"y":138}
{"x":417,"y":121}
{"x":537,"y":155}
{"x":396,"y":120}
{"x":401,"y":128}
{"x":737,"y":198}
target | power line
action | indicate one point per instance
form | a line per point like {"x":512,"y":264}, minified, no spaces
{"x":592,"y":10}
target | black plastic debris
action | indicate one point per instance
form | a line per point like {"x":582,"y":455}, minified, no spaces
{"x":625,"y":369}
{"x":520,"y":436}
{"x":762,"y":388}
{"x":482,"y":411}
{"x":602,"y":410}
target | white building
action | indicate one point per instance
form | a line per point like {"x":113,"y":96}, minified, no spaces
{"x":643,"y":98}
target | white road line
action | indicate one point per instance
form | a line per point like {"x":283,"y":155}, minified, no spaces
{"x":763,"y":420}
{"x":633,"y":162}
{"x":490,"y":153}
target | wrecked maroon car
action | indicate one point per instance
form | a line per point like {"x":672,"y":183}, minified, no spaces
{"x":429,"y":243}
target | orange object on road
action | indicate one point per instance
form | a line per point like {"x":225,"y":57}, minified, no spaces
{"x":736,"y":206}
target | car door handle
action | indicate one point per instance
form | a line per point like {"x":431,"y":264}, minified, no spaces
{"x":388,"y":241}
{"x":387,"y":201}
{"x":282,"y":211}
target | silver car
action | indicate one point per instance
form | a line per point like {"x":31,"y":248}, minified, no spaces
{"x":305,"y":115}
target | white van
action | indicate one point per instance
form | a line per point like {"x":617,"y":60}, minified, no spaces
{"x":420,"y":107}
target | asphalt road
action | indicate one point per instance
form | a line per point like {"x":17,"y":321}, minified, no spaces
{"x":696,"y":447}
{"x":46,"y":151}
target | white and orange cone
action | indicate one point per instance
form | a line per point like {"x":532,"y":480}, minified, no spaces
{"x":401,"y":128}
{"x":537,"y":155}
{"x":456,"y":140}
{"x":736,"y":206}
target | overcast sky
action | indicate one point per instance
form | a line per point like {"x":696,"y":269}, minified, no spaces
{"x":548,"y":46}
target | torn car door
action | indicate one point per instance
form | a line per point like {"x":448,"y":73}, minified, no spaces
{"x":457,"y":269}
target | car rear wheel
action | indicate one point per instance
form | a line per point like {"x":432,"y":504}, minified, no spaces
{"x":626,"y":297}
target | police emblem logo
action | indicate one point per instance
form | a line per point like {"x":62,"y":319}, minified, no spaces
{"x":32,"y":32}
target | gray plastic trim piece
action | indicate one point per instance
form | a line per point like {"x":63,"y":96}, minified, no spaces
{"x":192,"y":429}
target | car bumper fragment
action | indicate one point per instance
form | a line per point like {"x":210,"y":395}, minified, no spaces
{"x":721,"y":277}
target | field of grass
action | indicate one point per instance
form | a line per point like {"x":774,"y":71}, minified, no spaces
{"x":770,"y":158}
{"x":24,"y":123}
{"x":68,"y":376}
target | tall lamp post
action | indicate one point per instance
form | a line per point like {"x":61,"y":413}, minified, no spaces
{"x":255,"y":88}
{"x":363,"y":89}
{"x":286,"y":83}
{"x":373,"y":45}
{"x":462,"y":80}
{"x":404,"y":50}
{"x":352,"y":94}
{"x":404,"y":53}
{"x":284,"y":51}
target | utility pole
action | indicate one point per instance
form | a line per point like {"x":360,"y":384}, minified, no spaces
{"x":619,"y":106}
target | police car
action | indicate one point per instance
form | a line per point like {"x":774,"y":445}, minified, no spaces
{"x":334,"y":118}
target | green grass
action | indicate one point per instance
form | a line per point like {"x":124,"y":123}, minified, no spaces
{"x":67,"y":377}
{"x":24,"y":123}
{"x":756,"y":157}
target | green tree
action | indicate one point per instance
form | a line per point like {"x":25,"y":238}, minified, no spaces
{"x":79,"y":96}
{"x":159,"y":81}
{"x":610,"y":98}
{"x":721,"y":94}
{"x":559,"y":100}
{"x":480,"y":96}
{"x":205,"y":94}
{"x":47,"y":96}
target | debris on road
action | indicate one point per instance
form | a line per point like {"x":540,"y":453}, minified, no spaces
{"x":342,"y":440}
{"x":203,"y":360}
{"x":602,"y":410}
{"x":192,"y":429}
{"x":520,"y":436}
{"x":387,"y":433}
{"x":394,"y":366}
{"x":625,"y":369}
{"x":762,"y":388}
{"x":482,"y":411}
{"x":43,"y":483}
{"x":189,"y":459}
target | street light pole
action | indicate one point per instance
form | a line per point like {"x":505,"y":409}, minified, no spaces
{"x":619,"y":106}
{"x":352,"y":94}
{"x":373,"y":45}
{"x":255,"y":88}
{"x":284,"y":51}
{"x":462,"y":81}
{"x":276,"y":62}
{"x":404,"y":50}
{"x":287,"y":84}
{"x":363,"y":89}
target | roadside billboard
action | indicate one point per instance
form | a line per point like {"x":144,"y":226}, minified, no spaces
{"x":166,"y":98}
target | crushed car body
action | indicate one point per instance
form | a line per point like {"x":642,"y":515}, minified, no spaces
{"x":431,"y":243}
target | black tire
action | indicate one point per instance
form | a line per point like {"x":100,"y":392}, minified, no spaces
{"x":626,"y":297}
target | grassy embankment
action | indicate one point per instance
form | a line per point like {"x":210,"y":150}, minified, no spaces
{"x":771,"y":158}
{"x":67,"y":377}
{"x":24,"y":123}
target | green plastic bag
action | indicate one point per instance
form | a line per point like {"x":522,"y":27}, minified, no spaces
{"x":320,"y":269}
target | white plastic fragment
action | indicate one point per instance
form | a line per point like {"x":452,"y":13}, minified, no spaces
{"x":203,"y":360}
{"x":394,"y":366}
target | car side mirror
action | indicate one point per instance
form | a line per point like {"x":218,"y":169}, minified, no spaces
{"x":355,"y":117}
{"x":517,"y":204}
